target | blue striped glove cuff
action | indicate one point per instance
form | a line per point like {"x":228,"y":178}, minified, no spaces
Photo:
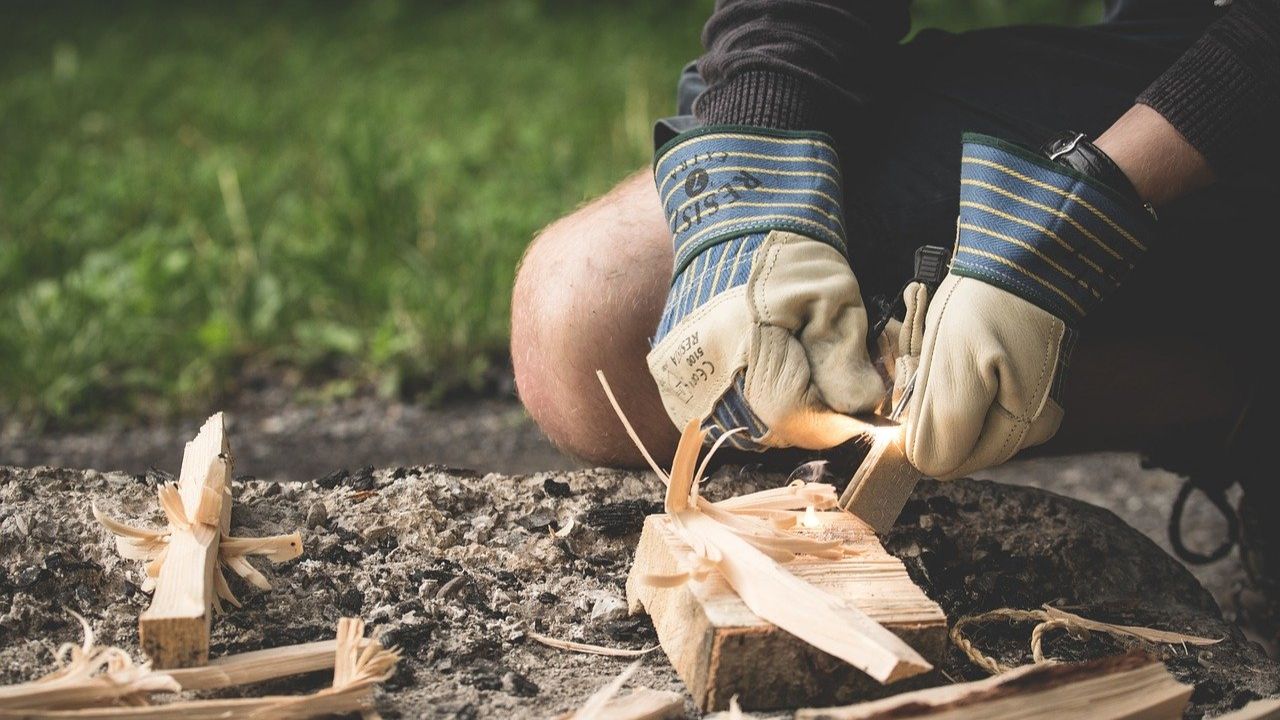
{"x":1042,"y":231}
{"x":722,"y":182}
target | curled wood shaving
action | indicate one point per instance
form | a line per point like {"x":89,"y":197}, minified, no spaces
{"x":88,"y":674}
{"x":565,"y":529}
{"x":359,"y":664}
{"x":151,"y":545}
{"x":594,"y":707}
{"x":639,"y":704}
{"x":258,"y":665}
{"x":747,"y":552}
{"x":797,"y":495}
{"x":276,"y":548}
{"x":644,"y":704}
{"x":769,"y":538}
{"x":572,"y":646}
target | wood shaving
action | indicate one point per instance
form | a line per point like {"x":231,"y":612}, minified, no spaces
{"x":572,"y":646}
{"x":88,"y":674}
{"x":747,"y":551}
{"x":639,"y":704}
{"x":359,"y":664}
{"x":151,"y":545}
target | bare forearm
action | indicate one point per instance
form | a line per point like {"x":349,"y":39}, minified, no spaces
{"x":1159,"y":162}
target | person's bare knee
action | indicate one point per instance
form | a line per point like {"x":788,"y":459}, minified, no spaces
{"x":587,"y":296}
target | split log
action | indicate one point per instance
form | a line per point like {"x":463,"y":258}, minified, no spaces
{"x":1122,"y":687}
{"x":95,"y":679}
{"x":359,"y":664}
{"x":883,"y":482}
{"x":720,"y":648}
{"x":259,"y":665}
{"x":174,"y":631}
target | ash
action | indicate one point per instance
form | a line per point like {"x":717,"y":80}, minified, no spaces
{"x":454,"y":566}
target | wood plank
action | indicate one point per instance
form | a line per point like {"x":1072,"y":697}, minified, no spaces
{"x":174,"y":630}
{"x":1265,"y":709}
{"x":1126,"y":687}
{"x":883,"y":482}
{"x":258,"y":665}
{"x":720,"y":648}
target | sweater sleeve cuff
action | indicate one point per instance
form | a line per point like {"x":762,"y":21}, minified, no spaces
{"x":761,"y":98}
{"x":1221,"y":94}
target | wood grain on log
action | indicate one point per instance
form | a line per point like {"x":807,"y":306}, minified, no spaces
{"x":883,"y":482}
{"x":720,"y":648}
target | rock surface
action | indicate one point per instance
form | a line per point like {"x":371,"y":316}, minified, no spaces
{"x":454,"y":567}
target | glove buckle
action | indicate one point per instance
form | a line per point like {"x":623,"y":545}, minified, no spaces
{"x":929,"y":268}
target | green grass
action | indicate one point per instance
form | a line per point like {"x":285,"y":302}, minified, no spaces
{"x":336,"y":193}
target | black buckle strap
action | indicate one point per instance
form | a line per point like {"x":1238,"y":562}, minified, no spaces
{"x":1075,"y":150}
{"x":930,"y":267}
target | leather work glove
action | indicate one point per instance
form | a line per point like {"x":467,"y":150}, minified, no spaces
{"x":910,"y":339}
{"x":764,"y":326}
{"x":1039,"y":244}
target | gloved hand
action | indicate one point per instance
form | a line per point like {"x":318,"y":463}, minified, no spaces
{"x":764,"y":326}
{"x":1039,"y":245}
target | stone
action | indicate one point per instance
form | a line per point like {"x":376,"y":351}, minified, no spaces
{"x":317,"y":515}
{"x":607,"y":608}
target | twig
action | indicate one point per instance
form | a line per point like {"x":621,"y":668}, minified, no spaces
{"x":589,"y":649}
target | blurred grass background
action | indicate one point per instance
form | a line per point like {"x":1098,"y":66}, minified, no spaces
{"x":196,"y":197}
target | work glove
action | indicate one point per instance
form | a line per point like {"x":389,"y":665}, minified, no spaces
{"x":1039,"y":244}
{"x":764,"y":326}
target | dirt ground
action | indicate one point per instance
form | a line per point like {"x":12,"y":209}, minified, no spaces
{"x":454,"y":567}
{"x":292,"y":441}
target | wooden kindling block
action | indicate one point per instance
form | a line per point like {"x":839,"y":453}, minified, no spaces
{"x":721,"y":649}
{"x":174,"y":631}
{"x":182,"y":558}
{"x":883,"y":482}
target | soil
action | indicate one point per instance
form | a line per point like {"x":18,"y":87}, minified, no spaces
{"x":455,"y":566}
{"x":300,"y":441}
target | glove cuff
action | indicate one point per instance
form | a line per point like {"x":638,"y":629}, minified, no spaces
{"x":722,"y":182}
{"x":1043,"y":231}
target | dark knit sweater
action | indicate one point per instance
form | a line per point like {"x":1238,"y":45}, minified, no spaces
{"x":785,"y":64}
